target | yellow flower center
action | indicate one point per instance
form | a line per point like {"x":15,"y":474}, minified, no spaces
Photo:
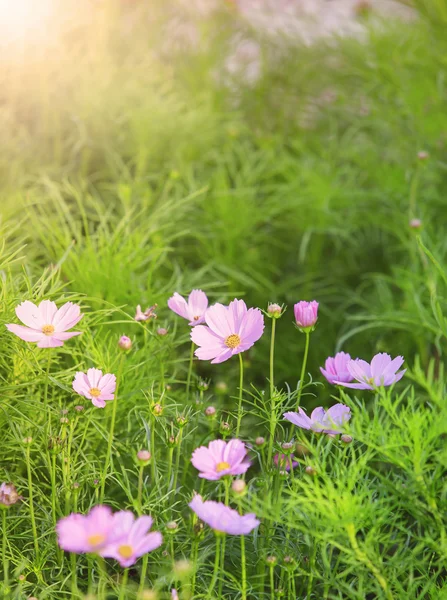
{"x":196,"y":318}
{"x":48,"y":329}
{"x":222,"y":466}
{"x":233,"y":341}
{"x":125,"y":551}
{"x":96,"y":539}
{"x":95,"y":392}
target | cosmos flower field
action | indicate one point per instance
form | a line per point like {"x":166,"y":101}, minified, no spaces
{"x":223,"y":308}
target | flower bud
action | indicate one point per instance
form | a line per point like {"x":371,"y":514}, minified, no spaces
{"x":289,"y":562}
{"x":8,"y":495}
{"x":260,"y":441}
{"x":415,"y":223}
{"x":157,"y":410}
{"x":181,"y":421}
{"x":423,"y":155}
{"x":79,"y":408}
{"x":162,"y":331}
{"x":346,"y":439}
{"x":125,"y":343}
{"x":150,"y":595}
{"x":64,"y":412}
{"x":274,"y":311}
{"x":210,"y":412}
{"x":221,"y":387}
{"x":182,"y":569}
{"x":271,"y":560}
{"x":225,"y":428}
{"x":144,"y":457}
{"x":280,"y":592}
{"x":172,"y":441}
{"x":288,"y":447}
{"x":174,"y":594}
{"x":64,"y":420}
{"x":76,"y":485}
{"x":310,"y":470}
{"x":28,"y":440}
{"x":199,"y":528}
{"x":171,"y":527}
{"x":239,"y":487}
{"x":306,"y":315}
{"x":203,"y":385}
{"x":55,"y":444}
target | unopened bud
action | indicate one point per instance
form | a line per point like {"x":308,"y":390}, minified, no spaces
{"x":289,"y":561}
{"x":210,"y":412}
{"x":221,"y":387}
{"x":79,"y":408}
{"x":182,"y":569}
{"x":415,"y":223}
{"x":125,"y":343}
{"x":280,"y":592}
{"x":144,"y":457}
{"x":64,"y":411}
{"x":288,"y":447}
{"x":64,"y":420}
{"x":225,"y":428}
{"x":199,"y":528}
{"x":157,"y":410}
{"x":172,"y":527}
{"x":274,"y":311}
{"x":28,"y":440}
{"x":423,"y":155}
{"x":203,"y":385}
{"x":162,"y":331}
{"x":181,"y":421}
{"x":310,"y":470}
{"x":260,"y":441}
{"x":150,"y":595}
{"x":239,"y":487}
{"x":8,"y":495}
{"x":346,"y":439}
{"x":172,"y":441}
{"x":271,"y":560}
{"x":76,"y":485}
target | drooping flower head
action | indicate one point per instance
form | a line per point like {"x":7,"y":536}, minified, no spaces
{"x":223,"y":519}
{"x":306,"y":314}
{"x":229,"y":330}
{"x":336,"y":368}
{"x":85,"y":533}
{"x":381,"y":372}
{"x":192,"y":310}
{"x":282,"y":461}
{"x":131,"y":538}
{"x":45,"y":324}
{"x":149,"y":313}
{"x":321,"y":421}
{"x":8,"y":495}
{"x":220,"y":459}
{"x":95,"y":386}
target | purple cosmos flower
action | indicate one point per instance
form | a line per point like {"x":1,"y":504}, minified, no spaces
{"x":223,"y":519}
{"x":194,"y":310}
{"x":321,"y":421}
{"x":220,"y":459}
{"x":284,"y":461}
{"x":85,"y":533}
{"x":231,"y":329}
{"x":8,"y":494}
{"x":45,"y":324}
{"x":95,"y":386}
{"x":381,"y":372}
{"x":131,"y":538}
{"x":306,"y":313}
{"x":336,"y":368}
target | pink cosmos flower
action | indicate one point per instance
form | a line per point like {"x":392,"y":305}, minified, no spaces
{"x":321,"y":421}
{"x":381,"y":372}
{"x":95,"y":386}
{"x":45,"y":324}
{"x":223,"y":519}
{"x":220,"y":459}
{"x":194,"y":310}
{"x":284,"y":461}
{"x":230,"y":330}
{"x":149,"y":313}
{"x":8,"y":494}
{"x":85,"y":533}
{"x":131,"y":538}
{"x":306,"y":313}
{"x":336,"y":368}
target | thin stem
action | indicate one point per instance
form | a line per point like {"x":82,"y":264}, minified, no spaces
{"x":140,"y":489}
{"x":177,"y":460}
{"x":5,"y":562}
{"x":143,"y":575}
{"x":112,"y":428}
{"x":123,"y":586}
{"x":74,"y":580}
{"x":216,"y":567}
{"x":47,"y":379}
{"x":31,"y":501}
{"x":272,"y":396}
{"x":152,"y":449}
{"x":191,"y":360}
{"x":194,"y":552}
{"x":241,"y":385}
{"x":244,"y":569}
{"x":102,"y":584}
{"x":272,"y":582}
{"x":303,"y":368}
{"x":227,"y":484}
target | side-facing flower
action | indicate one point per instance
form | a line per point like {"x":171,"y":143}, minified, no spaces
{"x":381,"y":372}
{"x":95,"y":386}
{"x":45,"y":324}
{"x":336,"y":368}
{"x":282,"y":461}
{"x":149,"y":313}
{"x":221,"y":458}
{"x":223,"y":519}
{"x":321,"y":421}
{"x":131,"y":538}
{"x":192,"y":310}
{"x":229,"y":330}
{"x":8,"y":495}
{"x":85,"y":533}
{"x":306,"y":314}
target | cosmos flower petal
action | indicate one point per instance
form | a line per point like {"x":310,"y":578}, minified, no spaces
{"x":218,"y":320}
{"x":179,"y":305}
{"x":237,"y":310}
{"x":25,"y":333}
{"x":29,"y":314}
{"x":67,"y":316}
{"x":300,"y":419}
{"x":379,"y":363}
{"x":47,"y":310}
{"x":222,"y":357}
{"x":49,"y":342}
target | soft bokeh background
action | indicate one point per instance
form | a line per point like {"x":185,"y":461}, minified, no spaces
{"x":264,"y":149}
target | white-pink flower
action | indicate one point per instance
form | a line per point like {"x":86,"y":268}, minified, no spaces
{"x":45,"y":324}
{"x":95,"y":386}
{"x":193,"y":310}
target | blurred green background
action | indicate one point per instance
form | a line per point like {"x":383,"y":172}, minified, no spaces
{"x":148,"y":147}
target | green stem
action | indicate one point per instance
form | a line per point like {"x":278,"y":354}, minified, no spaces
{"x":140,"y":489}
{"x":227,"y":484}
{"x":112,"y":428}
{"x":216,"y":567}
{"x":31,"y":501}
{"x":152,"y":450}
{"x":194,"y":552}
{"x":102,"y":584}
{"x":143,"y":575}
{"x":177,"y":459}
{"x":74,"y":580}
{"x":53,"y":487}
{"x":272,"y":397}
{"x":123,"y":586}
{"x":241,"y":385}
{"x":169,"y":475}
{"x":191,"y":360}
{"x":5,"y":562}
{"x":303,"y":368}
{"x":244,"y":570}
{"x":47,"y":379}
{"x":272,"y":582}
